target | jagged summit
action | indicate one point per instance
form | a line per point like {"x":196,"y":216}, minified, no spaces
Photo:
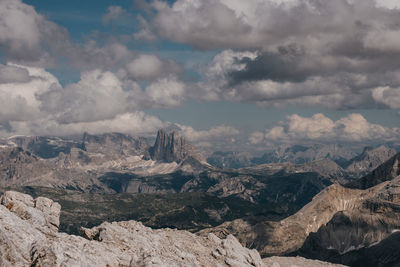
{"x":340,"y":224}
{"x":385,"y":172}
{"x":369,"y":159}
{"x":171,"y":147}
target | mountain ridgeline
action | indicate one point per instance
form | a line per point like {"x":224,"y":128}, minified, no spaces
{"x":320,"y":202}
{"x":356,"y":224}
{"x":345,"y":160}
{"x":100,"y":167}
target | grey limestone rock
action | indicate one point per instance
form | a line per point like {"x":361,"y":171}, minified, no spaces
{"x":29,"y":237}
{"x":369,"y":159}
{"x":170,"y":147}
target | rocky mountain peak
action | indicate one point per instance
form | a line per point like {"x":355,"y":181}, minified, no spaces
{"x":170,"y":147}
{"x":385,"y":172}
{"x":369,"y":159}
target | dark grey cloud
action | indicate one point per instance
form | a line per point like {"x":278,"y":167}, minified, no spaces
{"x":280,"y":67}
{"x":308,"y":52}
{"x":270,"y":24}
{"x":338,"y":90}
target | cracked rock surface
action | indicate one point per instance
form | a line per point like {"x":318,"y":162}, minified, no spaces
{"x":29,"y":237}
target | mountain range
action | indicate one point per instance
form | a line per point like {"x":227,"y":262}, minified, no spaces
{"x":356,"y":224}
{"x":345,"y":160}
{"x":333,"y":206}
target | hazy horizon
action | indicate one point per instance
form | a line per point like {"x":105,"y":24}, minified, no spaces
{"x":232,"y":75}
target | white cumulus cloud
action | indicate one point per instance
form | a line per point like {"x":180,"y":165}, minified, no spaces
{"x":319,"y":128}
{"x":34,"y":102}
{"x":214,"y":133}
{"x":388,"y":96}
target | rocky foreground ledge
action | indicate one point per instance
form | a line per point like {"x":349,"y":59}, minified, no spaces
{"x":29,"y":237}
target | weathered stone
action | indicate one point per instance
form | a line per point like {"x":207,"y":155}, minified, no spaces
{"x":26,"y":239}
{"x":170,"y":147}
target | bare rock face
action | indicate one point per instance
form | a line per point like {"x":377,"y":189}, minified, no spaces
{"x":170,"y":147}
{"x":16,"y":165}
{"x":288,"y":235}
{"x":340,"y":224}
{"x":385,"y":172}
{"x":29,"y":237}
{"x":44,"y":146}
{"x":169,"y":247}
{"x":42,"y":212}
{"x":114,"y":145}
{"x":369,"y":159}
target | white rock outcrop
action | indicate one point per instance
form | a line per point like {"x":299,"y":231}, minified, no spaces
{"x":29,"y":237}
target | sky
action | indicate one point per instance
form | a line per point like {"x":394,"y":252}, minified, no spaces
{"x":229,"y":74}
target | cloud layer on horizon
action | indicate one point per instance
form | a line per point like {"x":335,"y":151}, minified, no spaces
{"x":341,"y":54}
{"x":319,"y":128}
{"x":115,"y":84}
{"x":34,"y":103}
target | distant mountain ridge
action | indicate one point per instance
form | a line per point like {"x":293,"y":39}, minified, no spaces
{"x":300,"y":154}
{"x":366,"y":209}
{"x":116,"y":163}
{"x":338,"y":161}
{"x":43,"y":146}
{"x":385,"y":172}
{"x":340,"y":224}
{"x":115,"y":145}
{"x":168,"y":147}
{"x":296,"y":154}
{"x":369,"y":159}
